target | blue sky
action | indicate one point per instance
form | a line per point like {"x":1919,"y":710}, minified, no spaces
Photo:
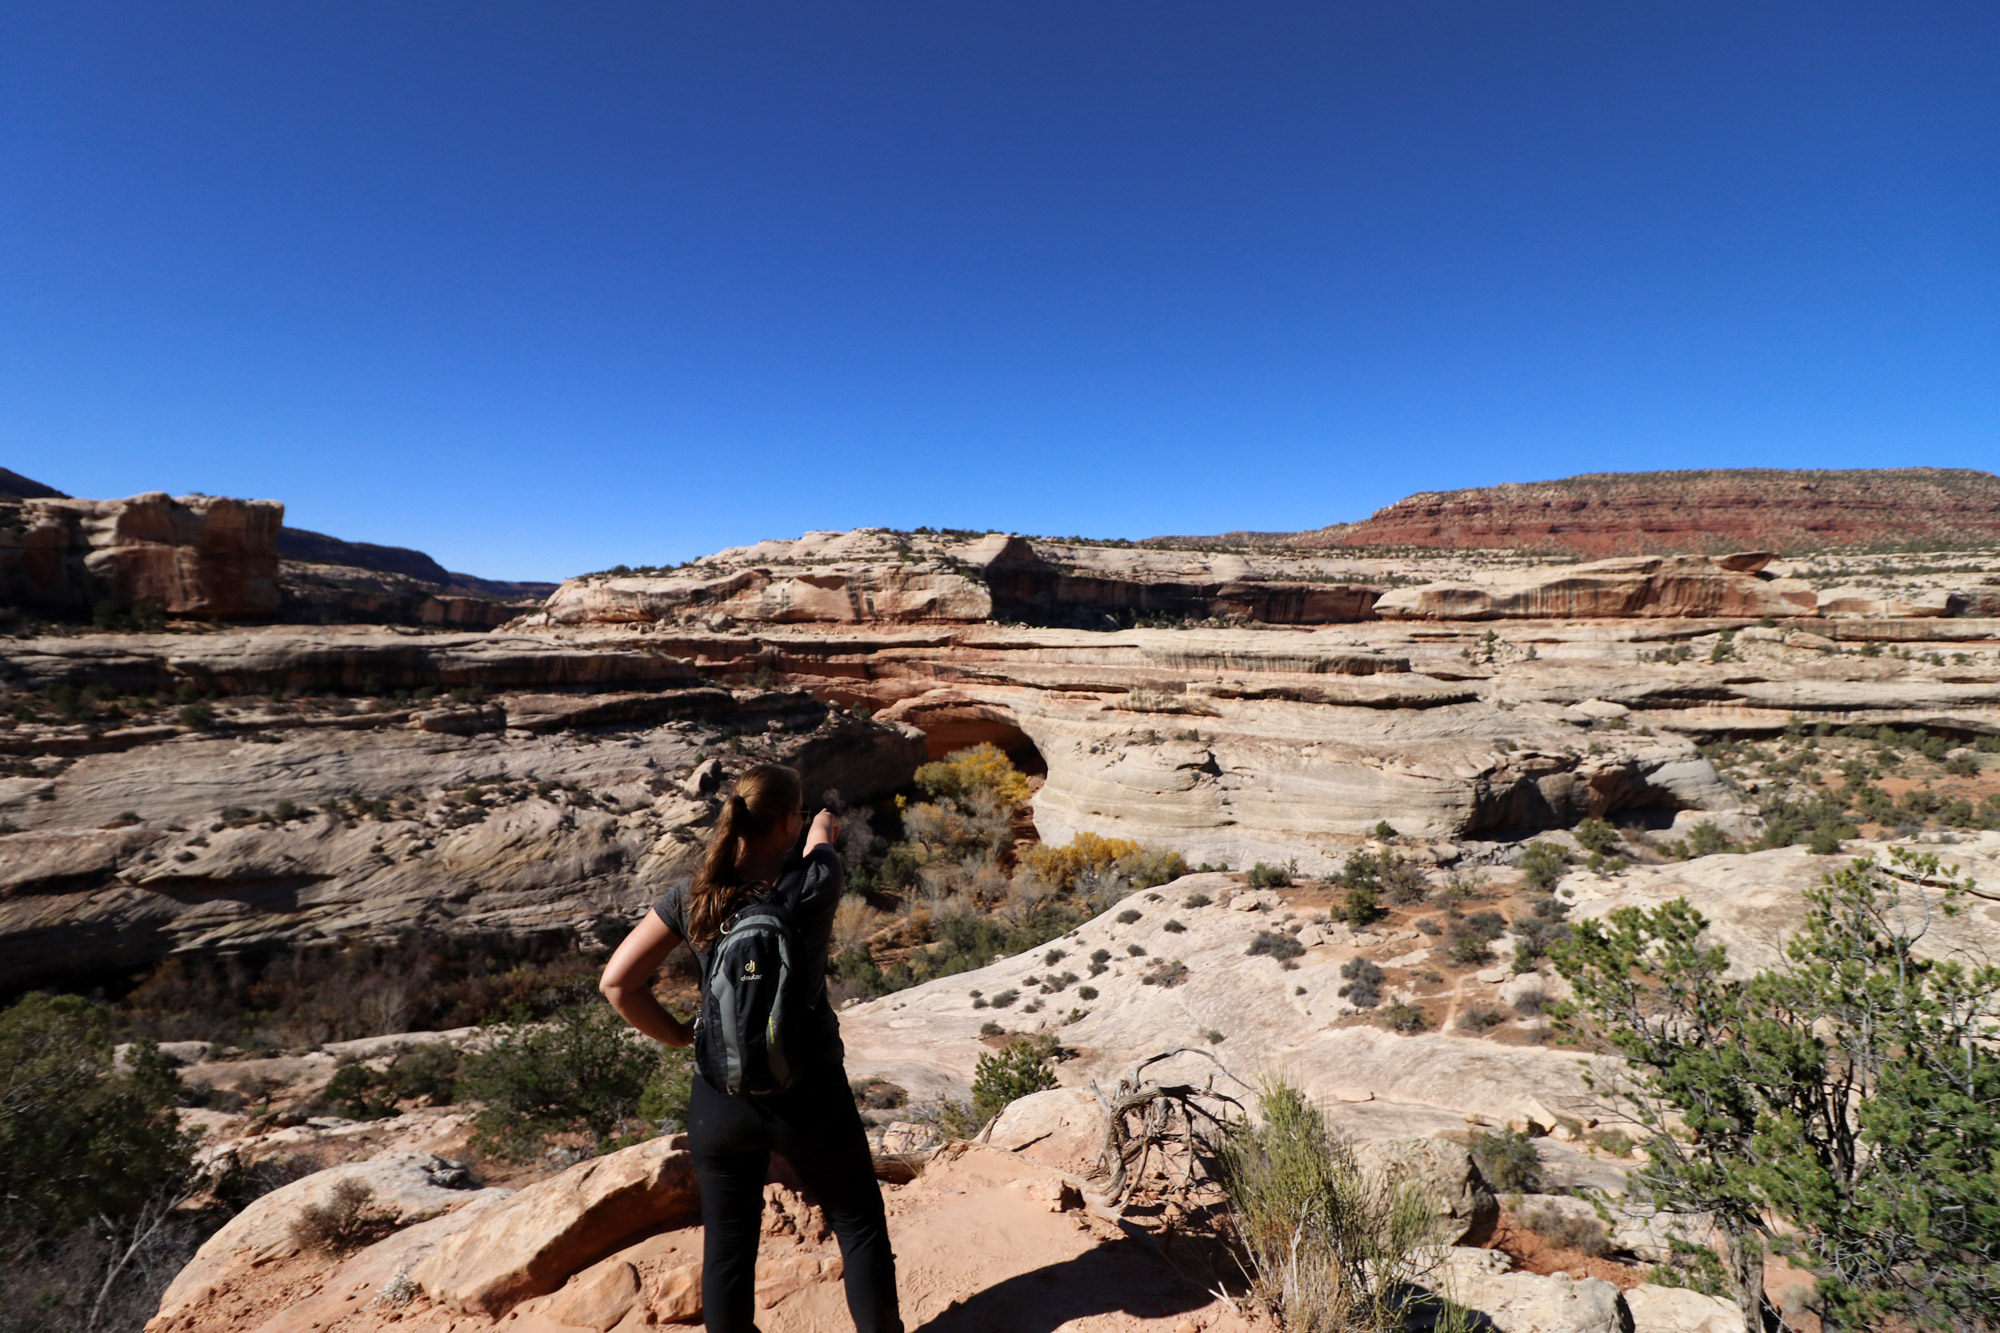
{"x":544,"y":288}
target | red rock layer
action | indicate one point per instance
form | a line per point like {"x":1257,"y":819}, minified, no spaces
{"x":1646,"y":513}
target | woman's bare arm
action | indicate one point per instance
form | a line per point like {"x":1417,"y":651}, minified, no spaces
{"x":628,"y":981}
{"x":825,"y":831}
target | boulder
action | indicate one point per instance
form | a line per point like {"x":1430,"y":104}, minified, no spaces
{"x":1444,"y":1171}
{"x":557,"y":1226}
{"x":406,"y":1188}
{"x":1062,"y":1128}
{"x":1530,"y":1303}
{"x":599,"y":1298}
{"x":1679,"y":1310}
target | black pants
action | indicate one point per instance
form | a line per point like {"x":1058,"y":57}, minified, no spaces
{"x":816,"y":1128}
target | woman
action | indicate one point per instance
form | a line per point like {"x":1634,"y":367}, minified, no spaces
{"x":814,"y":1124}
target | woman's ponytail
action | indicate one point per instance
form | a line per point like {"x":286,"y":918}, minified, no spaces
{"x":762,"y":799}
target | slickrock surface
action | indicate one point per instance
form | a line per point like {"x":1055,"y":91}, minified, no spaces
{"x":321,"y":820}
{"x":1265,"y":1019}
{"x":1754,"y":901}
{"x":404,"y":1190}
{"x":1643,"y":513}
{"x":557,"y":1227}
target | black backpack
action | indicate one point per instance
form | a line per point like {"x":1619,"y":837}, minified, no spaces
{"x":751,"y":1032}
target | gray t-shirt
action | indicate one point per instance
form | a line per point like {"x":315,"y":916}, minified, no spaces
{"x":811,"y":885}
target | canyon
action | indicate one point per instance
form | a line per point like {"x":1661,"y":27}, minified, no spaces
{"x":316,"y":748}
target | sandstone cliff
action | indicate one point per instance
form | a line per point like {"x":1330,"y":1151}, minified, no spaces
{"x":206,"y":557}
{"x":197,"y":555}
{"x":875,"y":576}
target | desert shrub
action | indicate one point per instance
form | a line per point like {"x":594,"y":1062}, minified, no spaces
{"x":1466,"y":950}
{"x":1565,"y":1228}
{"x":982,"y":769}
{"x":420,"y":981}
{"x":1364,"y":983}
{"x":1545,"y":864}
{"x":853,"y":922}
{"x":1595,"y":835}
{"x":354,"y":1091}
{"x":854,"y":973}
{"x":1471,"y":937}
{"x":1384,"y":874}
{"x":1509,"y":1160}
{"x":663,"y":1105}
{"x":1398,"y":1016}
{"x":344,"y":1222}
{"x":1531,"y":1004}
{"x":877,"y":1094}
{"x":1487,"y":926}
{"x":1533,"y":935}
{"x":950,"y":835}
{"x":79,"y":1141}
{"x":1019,"y":1068}
{"x":1695,"y":1267}
{"x":1165,"y":974}
{"x":199,"y":715}
{"x":1173,"y":927}
{"x":1428,"y":926}
{"x":1128,"y":916}
{"x":426,"y":1073}
{"x":1088,"y":856}
{"x":1005,"y":998}
{"x":1100,"y":961}
{"x":1361,"y":908}
{"x":580,"y":1072}
{"x":1478,"y":1018}
{"x":1275,"y":944}
{"x":1704,"y":839}
{"x":1196,"y":900}
{"x":1962,"y":765}
{"x":1329,"y":1248}
{"x":1614,"y":1141}
{"x":1463,"y":886}
{"x":1266,"y":876}
{"x":1086,"y":992}
{"x":1846,"y":1093}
